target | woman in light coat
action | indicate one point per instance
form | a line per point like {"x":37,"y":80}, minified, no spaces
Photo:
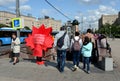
{"x":15,"y":46}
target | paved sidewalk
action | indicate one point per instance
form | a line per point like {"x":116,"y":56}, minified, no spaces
{"x":27,"y":71}
{"x":115,"y":45}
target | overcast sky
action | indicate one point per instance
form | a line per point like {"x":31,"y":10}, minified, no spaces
{"x":87,"y":10}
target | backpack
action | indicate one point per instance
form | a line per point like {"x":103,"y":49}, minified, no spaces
{"x":60,"y":41}
{"x":76,"y":45}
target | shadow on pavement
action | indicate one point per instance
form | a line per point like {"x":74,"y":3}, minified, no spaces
{"x":30,"y":60}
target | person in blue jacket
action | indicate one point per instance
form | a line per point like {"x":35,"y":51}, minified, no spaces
{"x":86,"y":51}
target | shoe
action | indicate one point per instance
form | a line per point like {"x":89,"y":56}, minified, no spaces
{"x":75,"y":68}
{"x":57,"y":66}
{"x":14,"y":63}
{"x":88,"y":72}
{"x":61,"y":71}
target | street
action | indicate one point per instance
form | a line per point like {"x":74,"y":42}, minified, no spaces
{"x":36,"y":23}
{"x":30,"y":71}
{"x":27,"y":71}
{"x":7,"y":47}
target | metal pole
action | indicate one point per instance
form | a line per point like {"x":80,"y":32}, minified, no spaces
{"x":82,"y":25}
{"x":18,"y":15}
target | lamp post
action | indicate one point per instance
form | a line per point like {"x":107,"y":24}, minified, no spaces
{"x":18,"y":15}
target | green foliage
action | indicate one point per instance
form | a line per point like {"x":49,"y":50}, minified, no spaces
{"x":27,"y":28}
{"x":107,"y":29}
{"x":3,"y":25}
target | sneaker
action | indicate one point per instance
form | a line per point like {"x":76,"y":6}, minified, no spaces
{"x":88,"y":72}
{"x":75,"y":68}
{"x":14,"y":63}
{"x":57,"y":66}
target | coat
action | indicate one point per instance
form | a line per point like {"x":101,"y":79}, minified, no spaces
{"x":15,"y":47}
{"x":66,"y":41}
{"x":87,"y":50}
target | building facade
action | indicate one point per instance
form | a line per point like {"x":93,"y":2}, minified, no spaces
{"x":110,"y":19}
{"x":6,"y":18}
{"x":118,"y":20}
{"x":29,"y":21}
{"x":50,"y":22}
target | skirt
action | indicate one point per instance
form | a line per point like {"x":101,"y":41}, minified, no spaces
{"x":16,"y":54}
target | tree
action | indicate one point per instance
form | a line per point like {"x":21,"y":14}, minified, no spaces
{"x":27,"y":28}
{"x":110,"y":30}
{"x":10,"y":23}
{"x":3,"y":25}
{"x":105,"y":29}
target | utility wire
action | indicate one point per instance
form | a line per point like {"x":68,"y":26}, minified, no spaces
{"x":57,"y":10}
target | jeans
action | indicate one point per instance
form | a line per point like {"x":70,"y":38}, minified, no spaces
{"x":86,"y":61}
{"x":61,"y":57}
{"x":76,"y":57}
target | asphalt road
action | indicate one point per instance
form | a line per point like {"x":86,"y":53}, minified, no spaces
{"x":7,"y":47}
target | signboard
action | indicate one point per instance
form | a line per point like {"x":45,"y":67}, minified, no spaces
{"x":16,"y":23}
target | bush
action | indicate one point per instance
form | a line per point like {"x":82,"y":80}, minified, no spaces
{"x":3,"y":25}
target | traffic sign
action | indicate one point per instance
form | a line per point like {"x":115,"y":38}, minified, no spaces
{"x":16,"y":23}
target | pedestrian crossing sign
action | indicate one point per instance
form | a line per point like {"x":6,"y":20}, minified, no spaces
{"x":16,"y":23}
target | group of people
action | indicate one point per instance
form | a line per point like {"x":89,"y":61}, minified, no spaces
{"x":77,"y":45}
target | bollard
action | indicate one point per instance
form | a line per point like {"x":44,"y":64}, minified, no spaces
{"x":107,"y":64}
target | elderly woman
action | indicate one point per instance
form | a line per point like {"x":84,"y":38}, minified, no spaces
{"x":15,"y":46}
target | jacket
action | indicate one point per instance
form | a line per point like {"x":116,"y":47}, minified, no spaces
{"x":87,"y":50}
{"x":66,"y":41}
{"x":15,"y":47}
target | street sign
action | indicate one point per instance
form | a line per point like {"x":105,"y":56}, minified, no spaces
{"x":16,"y":23}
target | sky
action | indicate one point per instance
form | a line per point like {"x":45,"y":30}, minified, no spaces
{"x":87,"y":12}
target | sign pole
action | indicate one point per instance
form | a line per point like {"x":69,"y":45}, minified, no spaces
{"x":18,"y":15}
